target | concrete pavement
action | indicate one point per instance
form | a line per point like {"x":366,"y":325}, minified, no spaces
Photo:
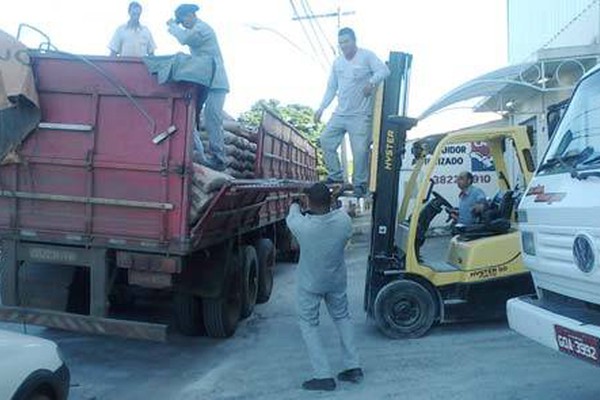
{"x":266,"y":358}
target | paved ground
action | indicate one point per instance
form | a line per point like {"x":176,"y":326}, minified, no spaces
{"x":266,"y":359}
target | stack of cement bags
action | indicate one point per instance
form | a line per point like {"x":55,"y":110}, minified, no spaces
{"x":240,"y":149}
{"x":205,"y":185}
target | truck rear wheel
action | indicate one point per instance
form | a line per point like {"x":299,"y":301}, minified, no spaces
{"x":221,"y":314}
{"x":188,"y":314}
{"x":265,"y":252}
{"x":403,"y":309}
{"x":249,"y":284}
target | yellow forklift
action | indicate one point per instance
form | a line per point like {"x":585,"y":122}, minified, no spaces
{"x":408,"y":289}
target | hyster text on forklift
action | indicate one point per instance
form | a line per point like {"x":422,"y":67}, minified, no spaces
{"x":560,"y":231}
{"x":409,"y":287}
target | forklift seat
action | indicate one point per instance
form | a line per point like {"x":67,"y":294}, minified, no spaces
{"x":495,"y":219}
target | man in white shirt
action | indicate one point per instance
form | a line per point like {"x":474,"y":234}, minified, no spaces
{"x":132,"y":39}
{"x":355,"y":75}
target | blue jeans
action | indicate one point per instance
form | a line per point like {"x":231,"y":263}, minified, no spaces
{"x":308,"y":305}
{"x":359,"y":130}
{"x":213,"y":123}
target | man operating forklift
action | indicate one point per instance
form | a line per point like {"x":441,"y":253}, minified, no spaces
{"x":471,"y":203}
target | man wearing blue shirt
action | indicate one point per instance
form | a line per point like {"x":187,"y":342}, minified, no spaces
{"x":472,"y":200}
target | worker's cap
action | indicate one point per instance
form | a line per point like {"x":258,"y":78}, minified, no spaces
{"x":183,"y":10}
{"x":319,"y":193}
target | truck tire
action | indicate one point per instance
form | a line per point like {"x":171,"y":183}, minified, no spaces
{"x":249,"y":284}
{"x":404,"y":309}
{"x":221,"y":314}
{"x":188,"y":314}
{"x":265,"y":253}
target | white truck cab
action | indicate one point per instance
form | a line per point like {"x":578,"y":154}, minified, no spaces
{"x":559,"y":220}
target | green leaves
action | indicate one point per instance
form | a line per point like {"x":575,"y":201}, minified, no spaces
{"x":299,"y":116}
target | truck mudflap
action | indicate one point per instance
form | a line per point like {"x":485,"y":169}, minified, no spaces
{"x":85,"y":323}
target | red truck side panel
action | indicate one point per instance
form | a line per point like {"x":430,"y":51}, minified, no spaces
{"x":114,"y":161}
{"x":91,"y":173}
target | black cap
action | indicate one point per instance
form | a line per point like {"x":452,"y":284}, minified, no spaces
{"x":183,"y":10}
{"x":319,"y":194}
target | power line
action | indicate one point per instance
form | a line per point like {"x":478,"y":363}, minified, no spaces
{"x":306,"y":34}
{"x":308,"y":10}
{"x":311,"y":16}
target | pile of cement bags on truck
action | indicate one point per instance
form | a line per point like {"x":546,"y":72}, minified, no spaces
{"x":206,"y":183}
{"x":240,"y":149}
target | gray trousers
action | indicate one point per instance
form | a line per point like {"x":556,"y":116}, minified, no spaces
{"x":359,"y":130}
{"x":308,"y":305}
{"x":213,"y":122}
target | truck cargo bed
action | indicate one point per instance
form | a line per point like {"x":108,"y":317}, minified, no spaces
{"x":91,"y":175}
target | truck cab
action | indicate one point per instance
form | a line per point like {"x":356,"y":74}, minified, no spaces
{"x":559,"y":222}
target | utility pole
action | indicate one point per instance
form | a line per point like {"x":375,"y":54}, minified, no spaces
{"x":338,"y":14}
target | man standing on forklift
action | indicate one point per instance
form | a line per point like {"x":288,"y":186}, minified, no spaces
{"x":472,"y":200}
{"x":322,"y":235}
{"x":354,"y":77}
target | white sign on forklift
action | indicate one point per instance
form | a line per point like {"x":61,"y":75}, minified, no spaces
{"x":559,"y":220}
{"x":474,"y":157}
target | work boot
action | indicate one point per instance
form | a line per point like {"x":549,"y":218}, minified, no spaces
{"x":354,"y":375}
{"x":214,"y":163}
{"x":361,"y":190}
{"x":326,"y":384}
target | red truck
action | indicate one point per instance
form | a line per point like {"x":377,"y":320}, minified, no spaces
{"x":97,"y":207}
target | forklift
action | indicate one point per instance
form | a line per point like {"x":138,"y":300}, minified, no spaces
{"x":407,"y":290}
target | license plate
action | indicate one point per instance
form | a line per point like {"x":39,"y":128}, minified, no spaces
{"x":577,"y":344}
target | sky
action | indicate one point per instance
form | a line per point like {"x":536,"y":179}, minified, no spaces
{"x":267,"y":54}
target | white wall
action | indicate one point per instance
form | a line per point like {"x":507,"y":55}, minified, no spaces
{"x":533,"y":24}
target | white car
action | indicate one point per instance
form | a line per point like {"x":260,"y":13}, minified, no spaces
{"x":31,"y":368}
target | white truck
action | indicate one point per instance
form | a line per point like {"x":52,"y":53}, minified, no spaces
{"x":559,"y":220}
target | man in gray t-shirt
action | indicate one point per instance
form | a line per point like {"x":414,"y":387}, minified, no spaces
{"x":355,"y":75}
{"x":321,"y":275}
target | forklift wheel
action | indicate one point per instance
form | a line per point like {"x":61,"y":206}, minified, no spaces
{"x":404,"y":309}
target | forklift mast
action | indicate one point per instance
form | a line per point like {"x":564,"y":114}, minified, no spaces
{"x":383,"y":257}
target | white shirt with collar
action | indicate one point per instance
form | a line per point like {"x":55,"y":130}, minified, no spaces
{"x":131,"y":41}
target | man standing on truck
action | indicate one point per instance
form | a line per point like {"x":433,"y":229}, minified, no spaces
{"x":472,"y":200}
{"x":355,"y":75}
{"x":132,"y":39}
{"x":322,"y":235}
{"x":202,"y":41}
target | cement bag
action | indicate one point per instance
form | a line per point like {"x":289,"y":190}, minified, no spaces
{"x":209,"y":180}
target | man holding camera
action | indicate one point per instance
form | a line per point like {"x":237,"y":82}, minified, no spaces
{"x":322,"y":234}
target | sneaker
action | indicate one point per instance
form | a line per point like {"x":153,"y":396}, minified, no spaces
{"x":326,"y":384}
{"x":354,"y":375}
{"x":359,"y":192}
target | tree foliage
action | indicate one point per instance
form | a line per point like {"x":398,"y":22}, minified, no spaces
{"x":297,"y":115}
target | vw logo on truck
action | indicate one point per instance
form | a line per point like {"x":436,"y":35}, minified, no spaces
{"x":583,"y":253}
